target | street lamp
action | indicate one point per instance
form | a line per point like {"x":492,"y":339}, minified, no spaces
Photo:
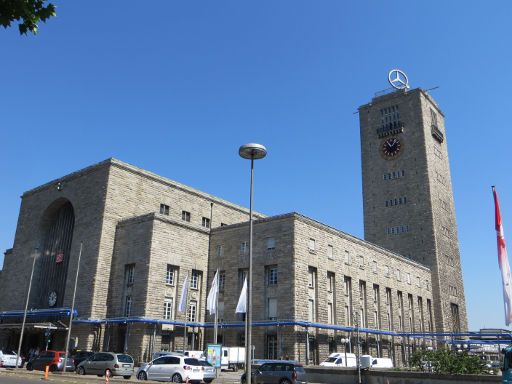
{"x":35,"y":255}
{"x":345,"y":341}
{"x":251,"y":152}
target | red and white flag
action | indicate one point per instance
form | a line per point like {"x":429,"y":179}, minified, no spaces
{"x":506,"y":277}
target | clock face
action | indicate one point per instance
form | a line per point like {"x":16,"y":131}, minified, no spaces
{"x":52,"y":298}
{"x":391,"y":147}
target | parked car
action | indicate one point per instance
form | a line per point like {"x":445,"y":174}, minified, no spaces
{"x":172,"y":368}
{"x":53,"y":359}
{"x":8,"y":359}
{"x":369,"y":362}
{"x":209,"y":371}
{"x":156,"y":355}
{"x":80,"y":356}
{"x":278,"y":372}
{"x":103,"y":363}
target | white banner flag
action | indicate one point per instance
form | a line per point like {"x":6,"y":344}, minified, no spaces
{"x":242,"y":301}
{"x":184,"y":293}
{"x":211,"y":301}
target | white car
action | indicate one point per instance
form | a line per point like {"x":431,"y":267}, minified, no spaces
{"x":8,"y":359}
{"x":177,"y":369}
{"x":338,"y":360}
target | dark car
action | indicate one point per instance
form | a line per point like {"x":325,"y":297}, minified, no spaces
{"x":52,"y":359}
{"x":80,"y":356}
{"x":278,"y":372}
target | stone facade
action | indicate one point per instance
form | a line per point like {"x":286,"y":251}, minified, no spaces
{"x":313,"y":285}
{"x":408,"y":198}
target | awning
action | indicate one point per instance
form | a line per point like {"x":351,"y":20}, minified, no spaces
{"x":38,"y":313}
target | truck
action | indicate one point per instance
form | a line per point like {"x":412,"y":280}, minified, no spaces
{"x":232,"y":358}
{"x":340,"y":359}
{"x":369,"y":362}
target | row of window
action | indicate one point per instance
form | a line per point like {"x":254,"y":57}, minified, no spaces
{"x":393,"y":175}
{"x":186,"y":216}
{"x":171,"y":275}
{"x":396,"y":201}
{"x":397,"y":229}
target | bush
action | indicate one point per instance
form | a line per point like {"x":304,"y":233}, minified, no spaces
{"x":445,"y":361}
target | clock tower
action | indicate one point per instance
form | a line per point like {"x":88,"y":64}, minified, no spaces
{"x":407,"y":193}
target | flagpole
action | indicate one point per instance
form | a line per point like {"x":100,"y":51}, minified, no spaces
{"x":72,"y":310}
{"x":216,"y":321}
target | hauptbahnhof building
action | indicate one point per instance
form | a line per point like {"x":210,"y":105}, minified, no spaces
{"x":142,"y":234}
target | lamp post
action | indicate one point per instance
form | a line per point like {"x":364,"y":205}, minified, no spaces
{"x":36,"y":253}
{"x":251,"y":152}
{"x":345,"y":342}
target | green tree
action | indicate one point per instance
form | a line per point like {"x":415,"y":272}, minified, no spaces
{"x":28,"y":12}
{"x":445,"y":361}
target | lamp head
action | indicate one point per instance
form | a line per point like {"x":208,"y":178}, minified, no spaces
{"x":252,"y":151}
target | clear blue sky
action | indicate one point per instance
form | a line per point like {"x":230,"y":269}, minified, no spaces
{"x":176,"y":86}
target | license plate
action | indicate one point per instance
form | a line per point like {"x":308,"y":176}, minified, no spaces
{"x":126,"y":365}
{"x":195,"y":370}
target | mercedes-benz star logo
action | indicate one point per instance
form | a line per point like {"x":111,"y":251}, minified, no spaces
{"x":398,"y":79}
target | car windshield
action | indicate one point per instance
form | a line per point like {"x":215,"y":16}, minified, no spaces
{"x":124,"y":359}
{"x":191,"y":361}
{"x":330,"y":360}
{"x":204,"y":363}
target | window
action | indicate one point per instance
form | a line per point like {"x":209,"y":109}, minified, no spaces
{"x":347,"y":258}
{"x":242,"y":273}
{"x":360,"y":260}
{"x":168,"y":308}
{"x":330,"y":252}
{"x":311,"y":277}
{"x":398,"y":275}
{"x":387,"y":271}
{"x":430,"y":323}
{"x":164,"y":209}
{"x":330,"y":314}
{"x":347,"y":282}
{"x":272,"y":308}
{"x":418,"y":281}
{"x":408,"y":278}
{"x":437,"y":152}
{"x":271,"y":244}
{"x":394,"y":175}
{"x":128,"y":306}
{"x":244,"y":248}
{"x":348,"y":317}
{"x":129,"y":273}
{"x":390,"y":121}
{"x":331,"y":281}
{"x":271,"y":350}
{"x":397,"y":230}
{"x":194,"y":281}
{"x":222,"y":280}
{"x":272,"y":275}
{"x":374,"y":266}
{"x":219,"y":250}
{"x":311,"y":310}
{"x":171,"y":274}
{"x":389,"y":307}
{"x":312,"y":245}
{"x":396,"y":201}
{"x":192,"y":311}
{"x":363,"y":303}
{"x":400,"y":311}
{"x":205,"y":222}
{"x":375,"y":294}
{"x":185,"y":216}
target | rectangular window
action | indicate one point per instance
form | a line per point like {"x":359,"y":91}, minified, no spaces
{"x":430,"y":323}
{"x":185,"y":216}
{"x":400,"y":311}
{"x":192,"y":311}
{"x":129,"y":273}
{"x":128,"y":306}
{"x":374,"y":266}
{"x":408,"y":278}
{"x":219,"y":250}
{"x":271,"y":244}
{"x":205,"y":222}
{"x":222,"y":280}
{"x":387,"y":271}
{"x":311,"y":277}
{"x":398,"y":276}
{"x":242,"y":273}
{"x":437,"y":152}
{"x":194,"y":281}
{"x":362,"y":302}
{"x":330,"y":314}
{"x":348,"y":317}
{"x":360,"y":260}
{"x":272,"y":308}
{"x":271,"y":350}
{"x":164,"y":209}
{"x":171,"y":274}
{"x":330,"y":252}
{"x":244,"y":247}
{"x":272,"y":275}
{"x":311,"y":310}
{"x":331,"y":281}
{"x":347,"y":258}
{"x":312,"y":245}
{"x":168,"y":308}
{"x":389,"y":309}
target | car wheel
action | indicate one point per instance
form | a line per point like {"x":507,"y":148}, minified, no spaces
{"x":176,"y":378}
{"x":285,"y":381}
{"x":81,"y":371}
{"x":242,"y":380}
{"x":127,"y":377}
{"x":53,"y":368}
{"x":142,"y":376}
{"x":29,"y":367}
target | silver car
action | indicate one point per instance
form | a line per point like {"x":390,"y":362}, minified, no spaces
{"x":107,"y":363}
{"x":172,"y":368}
{"x":209,"y":371}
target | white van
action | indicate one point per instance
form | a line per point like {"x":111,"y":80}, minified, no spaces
{"x":368,"y":362}
{"x":337,"y":359}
